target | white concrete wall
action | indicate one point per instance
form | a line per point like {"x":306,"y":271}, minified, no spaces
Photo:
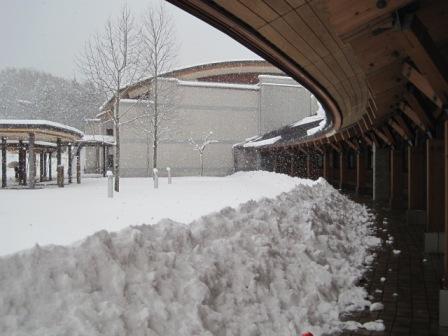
{"x":232,"y":112}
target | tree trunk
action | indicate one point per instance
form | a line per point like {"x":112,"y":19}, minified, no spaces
{"x":117,"y":144}
{"x":202,"y":164}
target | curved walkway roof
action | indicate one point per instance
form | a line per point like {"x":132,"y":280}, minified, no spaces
{"x":351,"y":54}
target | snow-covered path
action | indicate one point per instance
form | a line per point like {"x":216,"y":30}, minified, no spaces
{"x":278,"y":266}
{"x":63,"y":216}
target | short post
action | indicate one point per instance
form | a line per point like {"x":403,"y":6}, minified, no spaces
{"x":168,"y":169}
{"x":156,"y":178}
{"x":60,"y":177}
{"x":110,"y":184}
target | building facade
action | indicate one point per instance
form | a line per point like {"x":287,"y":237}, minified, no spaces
{"x":228,"y":102}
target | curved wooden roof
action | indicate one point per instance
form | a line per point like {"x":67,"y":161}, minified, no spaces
{"x":352,"y":54}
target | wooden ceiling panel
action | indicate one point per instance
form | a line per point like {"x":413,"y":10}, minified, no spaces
{"x":280,"y":6}
{"x":348,"y":16}
{"x":247,"y":15}
{"x":261,"y":9}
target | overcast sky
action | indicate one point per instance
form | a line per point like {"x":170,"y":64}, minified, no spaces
{"x":47,"y":34}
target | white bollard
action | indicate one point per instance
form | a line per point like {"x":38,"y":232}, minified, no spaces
{"x":110,"y":184}
{"x":168,"y":169}
{"x":156,"y":178}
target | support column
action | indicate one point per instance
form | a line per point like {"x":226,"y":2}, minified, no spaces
{"x":4,"y":167}
{"x":104,"y":161}
{"x":416,"y":213}
{"x":380,"y":165}
{"x":326,"y":165}
{"x":435,"y":197}
{"x":342,"y":169}
{"x":78,"y":165}
{"x":31,"y":162}
{"x":41,"y":166}
{"x":50,"y":177}
{"x":70,"y":162}
{"x":59,"y":152}
{"x":45,"y":164}
{"x":58,"y":159}
{"x":446,"y":198}
{"x":22,"y":163}
{"x":360,"y":171}
{"x":308,"y":165}
{"x":396,"y":185}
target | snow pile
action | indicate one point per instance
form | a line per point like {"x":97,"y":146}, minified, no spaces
{"x":271,"y":267}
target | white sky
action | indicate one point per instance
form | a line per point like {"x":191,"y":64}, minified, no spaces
{"x":48,"y":34}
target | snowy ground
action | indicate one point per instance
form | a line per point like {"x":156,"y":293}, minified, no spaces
{"x":278,"y":266}
{"x":62,"y":216}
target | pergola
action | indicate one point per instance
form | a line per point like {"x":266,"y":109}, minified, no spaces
{"x":43,"y":138}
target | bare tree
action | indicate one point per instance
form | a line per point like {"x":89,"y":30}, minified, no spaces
{"x":111,"y":60}
{"x":201,"y":146}
{"x":159,"y":52}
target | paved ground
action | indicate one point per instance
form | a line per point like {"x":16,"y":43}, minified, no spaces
{"x":410,"y":292}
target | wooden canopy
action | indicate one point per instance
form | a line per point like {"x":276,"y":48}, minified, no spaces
{"x":371,"y":63}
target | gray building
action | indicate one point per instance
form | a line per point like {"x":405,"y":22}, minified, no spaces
{"x":231,"y":100}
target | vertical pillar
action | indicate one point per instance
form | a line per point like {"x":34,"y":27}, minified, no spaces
{"x":70,"y":162}
{"x":22,"y":163}
{"x":78,"y":165}
{"x":104,"y":160}
{"x":31,"y":162}
{"x":97,"y":159}
{"x":308,"y":165}
{"x":326,"y":165}
{"x":44,"y":163}
{"x":416,"y":178}
{"x":435,"y":196}
{"x":4,"y":153}
{"x":446,"y":198}
{"x":380,"y":165}
{"x":342,"y":169}
{"x":50,"y":177}
{"x":360,"y":171}
{"x":58,"y":160}
{"x":41,"y":166}
{"x":59,"y":151}
{"x":396,"y":185}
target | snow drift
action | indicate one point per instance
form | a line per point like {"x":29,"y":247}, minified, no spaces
{"x":272,"y":267}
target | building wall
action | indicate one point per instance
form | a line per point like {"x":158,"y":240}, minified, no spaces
{"x":232,"y":112}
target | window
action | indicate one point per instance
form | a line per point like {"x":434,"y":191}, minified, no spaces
{"x":109,"y":131}
{"x":110,"y":161}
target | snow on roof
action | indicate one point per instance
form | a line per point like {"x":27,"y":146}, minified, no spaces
{"x":98,"y":138}
{"x":40,"y":123}
{"x":260,"y":143}
{"x":219,"y":85}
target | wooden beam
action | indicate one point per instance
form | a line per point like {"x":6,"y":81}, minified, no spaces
{"x":398,"y":129}
{"x":425,"y":54}
{"x":399,"y":119}
{"x":336,"y":147}
{"x":421,"y":83}
{"x":352,"y":145}
{"x":388,"y":134}
{"x":367,"y":140}
{"x":382,"y":136}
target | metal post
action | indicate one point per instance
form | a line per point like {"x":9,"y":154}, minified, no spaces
{"x":156,"y":178}
{"x":31,"y":161}
{"x":110,"y":184}
{"x":168,"y":169}
{"x":4,"y":153}
{"x":70,"y":162}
